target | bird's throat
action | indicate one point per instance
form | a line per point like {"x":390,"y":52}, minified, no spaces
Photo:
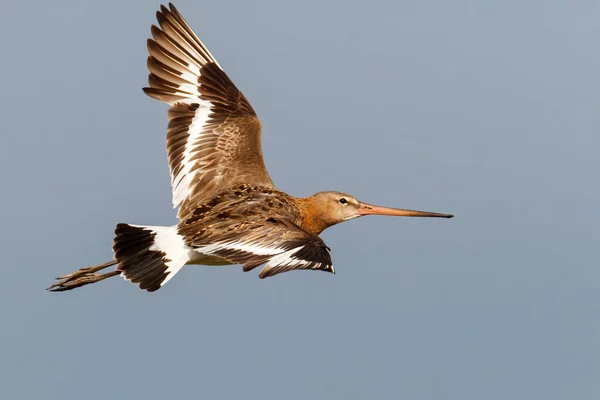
{"x":312,"y":218}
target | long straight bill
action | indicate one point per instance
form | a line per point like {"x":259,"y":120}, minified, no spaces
{"x":370,"y":209}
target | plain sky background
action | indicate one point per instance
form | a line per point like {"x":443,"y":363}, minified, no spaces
{"x":488,"y":110}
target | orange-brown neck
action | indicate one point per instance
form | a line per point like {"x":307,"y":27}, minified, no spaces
{"x":313,"y":218}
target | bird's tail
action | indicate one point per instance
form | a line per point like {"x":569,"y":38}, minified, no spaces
{"x":147,"y":255}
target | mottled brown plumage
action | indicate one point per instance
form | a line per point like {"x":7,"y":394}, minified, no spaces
{"x":185,"y":75}
{"x":229,"y":210}
{"x":255,"y":216}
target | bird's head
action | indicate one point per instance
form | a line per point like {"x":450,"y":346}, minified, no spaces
{"x":330,"y":208}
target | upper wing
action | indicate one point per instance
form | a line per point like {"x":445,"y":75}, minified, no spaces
{"x":214,"y":135}
{"x":279,"y":243}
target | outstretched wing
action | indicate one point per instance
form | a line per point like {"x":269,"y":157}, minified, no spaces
{"x":279,"y":243}
{"x":214,"y":135}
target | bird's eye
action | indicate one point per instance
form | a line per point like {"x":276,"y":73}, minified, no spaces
{"x":343,"y":201}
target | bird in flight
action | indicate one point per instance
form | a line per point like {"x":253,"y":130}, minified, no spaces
{"x":229,"y":210}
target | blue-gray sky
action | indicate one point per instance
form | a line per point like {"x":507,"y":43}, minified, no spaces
{"x":488,"y":110}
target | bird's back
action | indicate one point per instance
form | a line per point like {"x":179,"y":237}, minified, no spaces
{"x":236,"y":208}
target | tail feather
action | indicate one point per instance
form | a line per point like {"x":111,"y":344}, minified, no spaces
{"x":149,"y":255}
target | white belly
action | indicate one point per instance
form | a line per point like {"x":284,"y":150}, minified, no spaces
{"x":206,"y":259}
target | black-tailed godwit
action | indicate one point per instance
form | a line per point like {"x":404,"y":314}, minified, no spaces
{"x":229,"y":209}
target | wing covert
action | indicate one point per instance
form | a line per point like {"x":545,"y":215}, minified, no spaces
{"x":278,"y":243}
